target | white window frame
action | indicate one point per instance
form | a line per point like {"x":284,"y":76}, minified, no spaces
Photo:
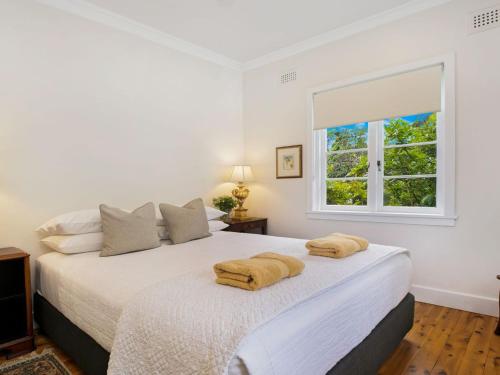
{"x":442,"y":214}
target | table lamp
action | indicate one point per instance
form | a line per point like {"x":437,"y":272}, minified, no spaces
{"x":240,"y":175}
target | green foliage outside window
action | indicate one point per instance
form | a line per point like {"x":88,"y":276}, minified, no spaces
{"x":398,"y":161}
{"x":351,"y":164}
{"x":418,"y":192}
{"x":348,"y":137}
{"x":347,"y":193}
{"x":347,"y":164}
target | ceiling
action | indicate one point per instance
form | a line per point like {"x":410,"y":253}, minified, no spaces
{"x":244,"y":30}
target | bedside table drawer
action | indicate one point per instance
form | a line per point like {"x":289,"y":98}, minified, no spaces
{"x":252,"y":229}
{"x":247,"y":225}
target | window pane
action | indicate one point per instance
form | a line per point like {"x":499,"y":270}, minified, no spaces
{"x":411,"y":160}
{"x":349,"y":164}
{"x":410,"y":129}
{"x":346,"y":193}
{"x":347,"y":137}
{"x":410,"y":192}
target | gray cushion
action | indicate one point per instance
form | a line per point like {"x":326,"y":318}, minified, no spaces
{"x":125,"y":232}
{"x":186,"y":223}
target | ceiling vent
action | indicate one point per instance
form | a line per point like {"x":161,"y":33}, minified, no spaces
{"x":288,"y":77}
{"x":484,"y":19}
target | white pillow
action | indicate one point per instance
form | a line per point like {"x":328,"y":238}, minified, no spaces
{"x":89,"y":221}
{"x":87,"y":242}
{"x":162,"y":232}
{"x":76,"y":222}
{"x":216,"y":225}
{"x":84,"y":243}
{"x":213,"y":213}
{"x":78,"y":243}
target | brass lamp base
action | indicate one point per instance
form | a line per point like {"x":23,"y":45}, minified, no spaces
{"x":240,"y":213}
{"x":240,"y":193}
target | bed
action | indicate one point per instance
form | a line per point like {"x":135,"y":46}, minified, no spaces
{"x":349,"y":328}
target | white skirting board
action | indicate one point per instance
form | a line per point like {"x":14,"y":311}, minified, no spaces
{"x":456,"y":300}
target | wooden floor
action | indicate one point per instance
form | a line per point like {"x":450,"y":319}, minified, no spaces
{"x":446,"y":341}
{"x":443,"y":341}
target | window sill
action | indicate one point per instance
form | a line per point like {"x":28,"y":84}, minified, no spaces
{"x":384,"y":217}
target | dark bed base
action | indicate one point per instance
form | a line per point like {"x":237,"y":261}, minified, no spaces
{"x":85,"y":351}
{"x":364,"y":359}
{"x":367,"y":357}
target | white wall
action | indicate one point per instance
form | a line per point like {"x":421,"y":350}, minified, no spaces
{"x":89,"y":114}
{"x":454,"y":266}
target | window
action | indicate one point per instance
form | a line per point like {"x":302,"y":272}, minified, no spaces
{"x":403,"y":152}
{"x":394,"y":169}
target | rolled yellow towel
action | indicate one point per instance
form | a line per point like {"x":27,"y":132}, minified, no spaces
{"x":337,"y":245}
{"x":257,"y":272}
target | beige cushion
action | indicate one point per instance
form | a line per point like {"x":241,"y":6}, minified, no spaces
{"x":185,"y":223}
{"x":125,"y":232}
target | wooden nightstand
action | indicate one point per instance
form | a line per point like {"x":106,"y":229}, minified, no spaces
{"x":247,"y":225}
{"x":16,"y":322}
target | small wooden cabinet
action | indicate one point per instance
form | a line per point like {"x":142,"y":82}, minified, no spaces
{"x":16,"y":323}
{"x":247,"y":225}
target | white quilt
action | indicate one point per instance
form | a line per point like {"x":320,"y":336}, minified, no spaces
{"x":191,"y":325}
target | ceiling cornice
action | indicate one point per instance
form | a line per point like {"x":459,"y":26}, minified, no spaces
{"x":356,"y":27}
{"x":94,"y":13}
{"x":97,"y":14}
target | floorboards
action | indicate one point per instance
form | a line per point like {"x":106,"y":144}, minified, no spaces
{"x":446,"y":341}
{"x":443,"y":341}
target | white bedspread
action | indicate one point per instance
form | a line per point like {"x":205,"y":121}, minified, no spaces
{"x":93,"y":291}
{"x":190,"y":325}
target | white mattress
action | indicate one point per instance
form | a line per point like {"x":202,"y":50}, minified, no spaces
{"x":309,"y":338}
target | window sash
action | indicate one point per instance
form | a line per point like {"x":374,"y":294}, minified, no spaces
{"x":409,"y":176}
{"x":411,"y":144}
{"x":338,"y":152}
{"x":346,"y":178}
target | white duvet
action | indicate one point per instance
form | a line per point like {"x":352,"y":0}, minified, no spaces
{"x":181,"y":321}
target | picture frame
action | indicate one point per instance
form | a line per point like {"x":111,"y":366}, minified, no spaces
{"x":289,"y":161}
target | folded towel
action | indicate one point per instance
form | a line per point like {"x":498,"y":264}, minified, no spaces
{"x":336,"y":245}
{"x":295,"y":266}
{"x":257,"y":272}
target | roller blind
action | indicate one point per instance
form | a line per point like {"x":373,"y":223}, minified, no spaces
{"x":404,"y":94}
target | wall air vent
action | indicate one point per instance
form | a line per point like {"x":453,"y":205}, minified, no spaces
{"x":288,"y":77}
{"x":484,"y":19}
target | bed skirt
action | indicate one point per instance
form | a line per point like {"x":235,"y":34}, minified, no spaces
{"x":364,"y":359}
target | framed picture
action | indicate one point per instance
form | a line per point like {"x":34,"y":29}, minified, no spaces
{"x":289,"y":162}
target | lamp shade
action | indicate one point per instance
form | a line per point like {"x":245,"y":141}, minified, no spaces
{"x":241,"y":173}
